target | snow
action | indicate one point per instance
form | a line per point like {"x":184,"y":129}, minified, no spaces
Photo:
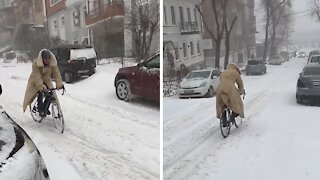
{"x":104,"y":138}
{"x":277,"y":140}
{"x":88,"y":53}
{"x":7,"y":135}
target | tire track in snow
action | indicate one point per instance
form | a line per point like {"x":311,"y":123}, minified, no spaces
{"x":84,"y":149}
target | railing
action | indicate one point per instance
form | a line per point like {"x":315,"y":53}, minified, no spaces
{"x":189,"y":28}
{"x":104,"y":11}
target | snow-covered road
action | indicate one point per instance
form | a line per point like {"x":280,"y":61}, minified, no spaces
{"x":278,"y":139}
{"x":104,"y":138}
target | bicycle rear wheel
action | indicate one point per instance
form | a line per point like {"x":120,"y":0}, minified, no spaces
{"x":35,"y":112}
{"x":225,"y":131}
{"x":57,"y":116}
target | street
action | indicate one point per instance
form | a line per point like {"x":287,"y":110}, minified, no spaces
{"x":277,"y":139}
{"x":104,"y":138}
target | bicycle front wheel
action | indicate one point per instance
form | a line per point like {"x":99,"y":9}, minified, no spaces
{"x":57,"y":116}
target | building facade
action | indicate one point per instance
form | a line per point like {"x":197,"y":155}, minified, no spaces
{"x":66,"y":21}
{"x":182,"y":36}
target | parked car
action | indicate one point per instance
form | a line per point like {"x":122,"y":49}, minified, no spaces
{"x":75,"y":61}
{"x":314,"y":52}
{"x":141,"y":80}
{"x":9,"y":56}
{"x":308,"y":84}
{"x":199,"y":83}
{"x":23,"y":56}
{"x":256,"y":67}
{"x":19,"y":156}
{"x":314,"y":59}
{"x":285,"y":55}
{"x":302,"y":54}
{"x":276,"y":60}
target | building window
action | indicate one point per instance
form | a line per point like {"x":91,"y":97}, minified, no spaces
{"x":55,"y":25}
{"x":181,"y":16}
{"x":165,"y":15}
{"x":198,"y":47}
{"x":191,"y":47}
{"x":76,"y":18}
{"x":189,"y":14}
{"x":62,"y":21}
{"x":177,"y":52}
{"x":53,"y":2}
{"x":173,"y":15}
{"x":195,"y":15}
{"x":184,"y":50}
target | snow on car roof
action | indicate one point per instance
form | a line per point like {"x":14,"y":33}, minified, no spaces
{"x":79,"y":53}
{"x":200,"y":70}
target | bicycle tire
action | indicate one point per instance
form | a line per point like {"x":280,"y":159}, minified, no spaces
{"x":57,"y":116}
{"x":225,"y":131}
{"x":33,"y":107}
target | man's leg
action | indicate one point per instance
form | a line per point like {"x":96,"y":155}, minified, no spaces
{"x":233,"y":116}
{"x":224,"y":117}
{"x":47,"y":103}
{"x":40,"y":104}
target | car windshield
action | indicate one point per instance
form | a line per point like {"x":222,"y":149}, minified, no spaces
{"x":254,"y":62}
{"x":315,"y":59}
{"x":199,"y":74}
{"x":312,"y":71}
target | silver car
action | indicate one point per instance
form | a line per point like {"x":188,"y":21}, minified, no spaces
{"x":314,"y":59}
{"x":199,"y":83}
{"x":256,"y":67}
{"x":308,"y":84}
{"x":276,"y":60}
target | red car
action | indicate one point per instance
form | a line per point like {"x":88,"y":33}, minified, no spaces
{"x":141,"y":80}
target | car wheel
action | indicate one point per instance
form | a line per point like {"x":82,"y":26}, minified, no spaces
{"x":67,"y":77}
{"x":299,"y":99}
{"x":210,"y":92}
{"x":92,"y":71}
{"x":123,"y":89}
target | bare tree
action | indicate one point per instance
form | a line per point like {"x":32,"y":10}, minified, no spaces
{"x":280,"y":22}
{"x":316,"y":11}
{"x":270,"y":7}
{"x":227,"y":42}
{"x":143,"y":20}
{"x":219,"y":18}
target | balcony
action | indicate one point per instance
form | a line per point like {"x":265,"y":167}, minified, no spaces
{"x":104,"y":12}
{"x":189,"y":28}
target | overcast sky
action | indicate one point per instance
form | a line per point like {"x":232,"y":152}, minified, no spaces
{"x":305,"y":28}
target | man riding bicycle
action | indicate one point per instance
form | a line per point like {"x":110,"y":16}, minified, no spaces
{"x":44,"y":70}
{"x":228,"y":95}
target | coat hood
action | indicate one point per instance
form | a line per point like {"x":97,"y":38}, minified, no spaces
{"x":53,"y":61}
{"x":234,"y":67}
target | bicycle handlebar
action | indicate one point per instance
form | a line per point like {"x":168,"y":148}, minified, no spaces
{"x":56,"y":89}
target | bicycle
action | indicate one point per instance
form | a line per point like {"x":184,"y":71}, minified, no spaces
{"x":56,"y":111}
{"x":225,"y":131}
